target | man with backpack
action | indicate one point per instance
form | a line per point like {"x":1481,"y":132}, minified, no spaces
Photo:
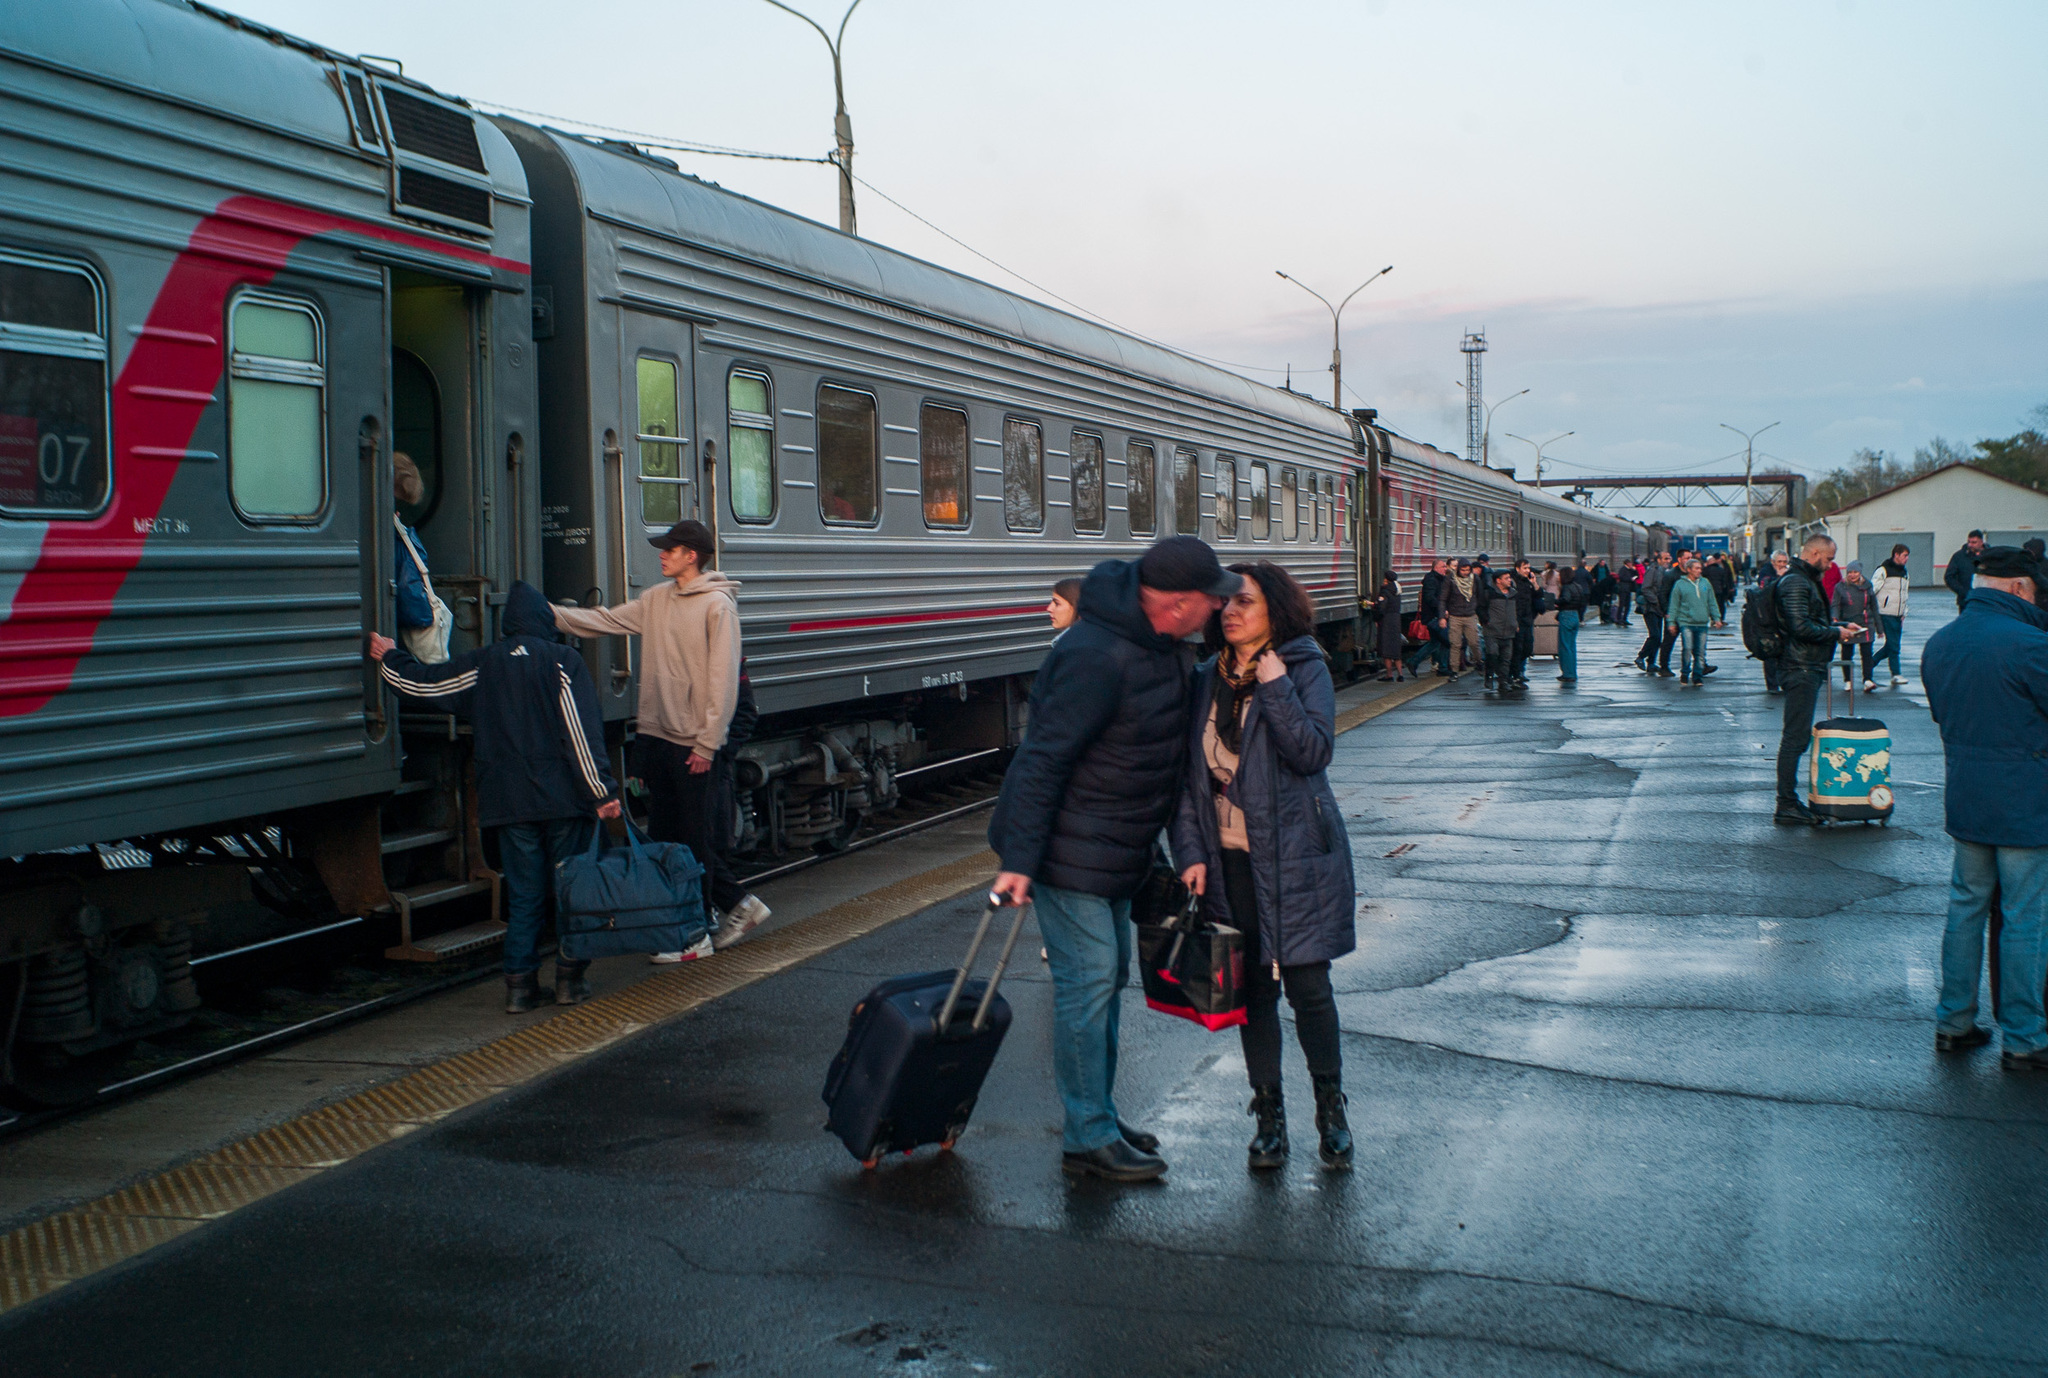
{"x":1755,"y":607}
{"x":1800,"y":630}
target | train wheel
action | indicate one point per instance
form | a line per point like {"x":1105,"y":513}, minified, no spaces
{"x":50,"y":1079}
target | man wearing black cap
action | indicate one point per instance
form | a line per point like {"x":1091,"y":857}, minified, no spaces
{"x":1986,"y":675}
{"x":1097,"y":777}
{"x":689,"y":630}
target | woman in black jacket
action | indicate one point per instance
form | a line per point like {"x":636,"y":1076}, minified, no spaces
{"x":1259,"y":838}
{"x":1386,"y":611}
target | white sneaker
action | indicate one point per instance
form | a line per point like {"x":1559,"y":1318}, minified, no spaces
{"x":702,"y":948}
{"x":1897,"y":680}
{"x":737,"y":922}
{"x":1868,"y":685}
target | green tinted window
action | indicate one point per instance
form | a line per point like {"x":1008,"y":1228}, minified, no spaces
{"x":660,"y":441}
{"x":747,"y":392}
{"x":277,"y":404}
{"x":750,"y":447}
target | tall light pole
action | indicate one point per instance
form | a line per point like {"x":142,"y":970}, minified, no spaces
{"x":1748,"y":505}
{"x":1538,"y":448}
{"x":842,"y":126}
{"x":1336,"y":316}
{"x":1486,"y":435}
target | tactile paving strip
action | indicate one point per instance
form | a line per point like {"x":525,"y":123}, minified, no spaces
{"x":1366,"y":712}
{"x":39,"y":1258}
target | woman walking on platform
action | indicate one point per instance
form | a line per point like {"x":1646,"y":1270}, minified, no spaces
{"x":1259,"y":837}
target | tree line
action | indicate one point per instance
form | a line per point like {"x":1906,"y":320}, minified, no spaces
{"x":2021,"y":457}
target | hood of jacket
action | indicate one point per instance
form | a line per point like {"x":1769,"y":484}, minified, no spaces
{"x":1109,"y":598}
{"x":527,"y":613}
{"x":709,"y":581}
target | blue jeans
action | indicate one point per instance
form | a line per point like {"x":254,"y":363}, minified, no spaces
{"x":1088,"y":947}
{"x":2018,"y":877}
{"x":528,"y":853}
{"x":1438,"y":645}
{"x":1568,"y":643}
{"x":1894,"y":628}
{"x":1692,"y":657}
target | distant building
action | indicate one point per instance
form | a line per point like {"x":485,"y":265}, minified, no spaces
{"x":1932,"y":515}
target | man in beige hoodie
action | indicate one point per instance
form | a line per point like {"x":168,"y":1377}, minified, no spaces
{"x":689,"y":630}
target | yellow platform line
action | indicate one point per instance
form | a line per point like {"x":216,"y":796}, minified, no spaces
{"x":42,"y":1256}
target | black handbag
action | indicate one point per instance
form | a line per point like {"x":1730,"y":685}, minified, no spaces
{"x":1193,"y":969}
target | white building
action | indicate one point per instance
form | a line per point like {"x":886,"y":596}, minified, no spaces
{"x":1931,"y":516}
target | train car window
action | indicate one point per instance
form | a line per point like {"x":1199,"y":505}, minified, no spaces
{"x":1330,"y":504}
{"x":750,"y":445}
{"x":1315,"y":507}
{"x":1187,"y":493}
{"x":1226,"y":499}
{"x":1290,"y":504}
{"x":942,"y":460}
{"x":846,"y":455}
{"x":277,"y":409}
{"x":1141,"y":472}
{"x":660,"y":440}
{"x":1262,"y":502}
{"x":54,"y":459}
{"x":1023,"y":475}
{"x":1085,"y":458}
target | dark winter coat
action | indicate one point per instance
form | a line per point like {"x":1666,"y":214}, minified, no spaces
{"x":1429,"y":604}
{"x":1810,"y":635}
{"x":1501,"y":620}
{"x":1526,"y":599}
{"x":1300,"y":854}
{"x":1852,"y":603}
{"x":1103,"y":755}
{"x":1651,"y":599}
{"x":540,"y":750}
{"x":1986,"y":675}
{"x":1457,"y":604}
{"x":1573,"y":594}
{"x":1717,"y":574}
{"x":1961,"y":572}
{"x":1387,"y":607}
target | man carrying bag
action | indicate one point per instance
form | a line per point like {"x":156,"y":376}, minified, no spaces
{"x":541,"y":772}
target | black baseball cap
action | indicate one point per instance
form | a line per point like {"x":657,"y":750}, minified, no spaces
{"x":688,"y":533}
{"x":1186,"y":564}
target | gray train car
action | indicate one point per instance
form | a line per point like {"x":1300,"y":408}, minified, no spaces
{"x":898,"y":461}
{"x":233,"y":269}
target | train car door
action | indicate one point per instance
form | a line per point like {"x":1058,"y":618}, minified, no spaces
{"x":439,"y":413}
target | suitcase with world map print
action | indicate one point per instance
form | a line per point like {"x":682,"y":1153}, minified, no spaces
{"x":1851,"y":779}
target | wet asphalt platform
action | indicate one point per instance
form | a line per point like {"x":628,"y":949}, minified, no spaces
{"x":1641,"y":1084}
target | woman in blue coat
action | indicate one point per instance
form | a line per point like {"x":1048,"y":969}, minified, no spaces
{"x":1258,"y":836}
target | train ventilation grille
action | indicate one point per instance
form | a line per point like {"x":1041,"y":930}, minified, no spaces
{"x":433,"y":131}
{"x":440,"y":196}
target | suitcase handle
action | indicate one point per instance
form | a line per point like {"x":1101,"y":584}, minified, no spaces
{"x":995,"y":980}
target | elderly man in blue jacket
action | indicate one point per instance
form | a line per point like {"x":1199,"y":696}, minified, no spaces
{"x":1987,"y":681}
{"x":1099,"y":774}
{"x":541,"y":772}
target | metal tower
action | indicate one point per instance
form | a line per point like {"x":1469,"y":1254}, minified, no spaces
{"x":1475,"y":405}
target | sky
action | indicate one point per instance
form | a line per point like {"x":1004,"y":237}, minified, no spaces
{"x":1665,"y":217}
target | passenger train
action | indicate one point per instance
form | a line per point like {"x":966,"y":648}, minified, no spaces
{"x":239,"y":271}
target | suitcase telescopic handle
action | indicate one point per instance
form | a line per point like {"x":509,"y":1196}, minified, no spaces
{"x":995,"y":980}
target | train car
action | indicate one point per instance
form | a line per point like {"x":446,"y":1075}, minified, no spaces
{"x":898,"y":461}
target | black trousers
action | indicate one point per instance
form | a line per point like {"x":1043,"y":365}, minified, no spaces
{"x":682,"y":807}
{"x":1525,"y":646}
{"x":1772,"y":674}
{"x":1308,"y":992}
{"x":1653,"y":636}
{"x":1849,"y":649}
{"x":1802,"y":687}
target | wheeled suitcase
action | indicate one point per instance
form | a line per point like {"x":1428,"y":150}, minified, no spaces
{"x":916,"y":1053}
{"x":1850,"y":778}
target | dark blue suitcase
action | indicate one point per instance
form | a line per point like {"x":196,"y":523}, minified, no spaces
{"x":916,"y":1053}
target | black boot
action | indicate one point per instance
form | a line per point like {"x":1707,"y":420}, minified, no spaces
{"x":572,"y":984}
{"x":1336,"y":1145}
{"x":524,"y":993}
{"x":1269,"y":1146}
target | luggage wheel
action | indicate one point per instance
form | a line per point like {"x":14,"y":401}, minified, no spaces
{"x":870,"y":1164}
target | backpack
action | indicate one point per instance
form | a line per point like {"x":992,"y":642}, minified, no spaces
{"x":1763,"y":624}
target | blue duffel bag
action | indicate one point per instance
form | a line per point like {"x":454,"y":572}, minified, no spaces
{"x":643,"y":897}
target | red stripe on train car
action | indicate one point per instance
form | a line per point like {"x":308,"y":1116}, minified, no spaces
{"x":904,"y":619}
{"x":159,"y":398}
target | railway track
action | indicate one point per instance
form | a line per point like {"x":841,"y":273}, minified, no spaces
{"x":307,"y":983}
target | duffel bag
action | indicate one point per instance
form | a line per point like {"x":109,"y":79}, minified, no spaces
{"x":1193,"y":969}
{"x":644,"y":896}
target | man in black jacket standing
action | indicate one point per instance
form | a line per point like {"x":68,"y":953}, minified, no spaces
{"x":541,"y":771}
{"x":1429,"y":609}
{"x":1525,"y":622}
{"x":1811,"y":637}
{"x":1962,"y":568}
{"x":1098,"y":775}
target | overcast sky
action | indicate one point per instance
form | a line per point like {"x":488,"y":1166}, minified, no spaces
{"x":1665,"y":217}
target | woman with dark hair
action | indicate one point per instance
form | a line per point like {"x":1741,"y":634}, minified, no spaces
{"x":1386,"y":612}
{"x":1259,"y":838}
{"x":1065,"y":604}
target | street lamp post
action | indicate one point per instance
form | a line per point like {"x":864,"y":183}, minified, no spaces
{"x":1538,"y":448}
{"x":842,"y":125}
{"x":1748,"y":504}
{"x":1336,"y":315}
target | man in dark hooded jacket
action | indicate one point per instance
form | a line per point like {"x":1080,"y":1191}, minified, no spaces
{"x":1811,"y":636}
{"x":541,"y":772}
{"x":1099,"y":774}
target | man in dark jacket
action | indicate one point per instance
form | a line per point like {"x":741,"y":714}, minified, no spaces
{"x":1962,"y":568}
{"x":1429,"y":608}
{"x":1987,"y":683}
{"x":1780,"y":561}
{"x":1650,"y":598}
{"x":1526,"y":600}
{"x":1722,"y":577}
{"x":1098,"y":775}
{"x":1501,"y":623}
{"x":1667,"y":581}
{"x":1811,"y":637}
{"x":541,"y":771}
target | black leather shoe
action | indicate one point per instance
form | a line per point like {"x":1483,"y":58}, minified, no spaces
{"x":1117,"y":1161}
{"x":1268,"y":1148}
{"x":1665,"y":672}
{"x":1793,"y":814}
{"x":1138,"y":1138}
{"x":1335,"y":1144}
{"x":525,"y":993}
{"x":2036,"y":1061}
{"x":1976,"y":1036}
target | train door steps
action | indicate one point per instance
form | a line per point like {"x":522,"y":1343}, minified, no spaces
{"x":412,"y":839}
{"x":407,"y":900}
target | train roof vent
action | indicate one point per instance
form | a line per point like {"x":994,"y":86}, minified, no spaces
{"x":444,"y":197}
{"x":433,"y":131}
{"x":362,"y":116}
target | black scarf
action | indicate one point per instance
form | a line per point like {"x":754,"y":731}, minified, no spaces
{"x":1230,"y":691}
